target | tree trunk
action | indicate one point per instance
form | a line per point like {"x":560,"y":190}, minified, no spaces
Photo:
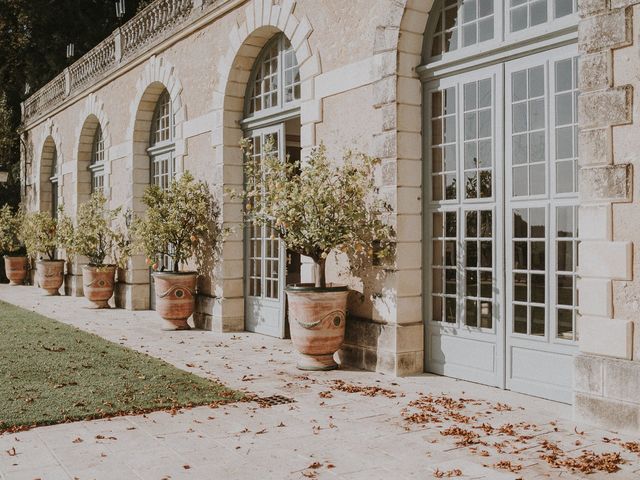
{"x":176,"y":266}
{"x":320,"y":273}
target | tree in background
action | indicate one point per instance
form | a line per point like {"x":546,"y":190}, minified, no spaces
{"x":33,"y":39}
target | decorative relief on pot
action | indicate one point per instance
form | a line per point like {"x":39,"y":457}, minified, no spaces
{"x":332,"y":319}
{"x":178,"y":292}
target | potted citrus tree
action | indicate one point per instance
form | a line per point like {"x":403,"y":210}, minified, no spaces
{"x":180,"y":230}
{"x":42,"y":238}
{"x":11,"y":245}
{"x":317,"y":207}
{"x":99,"y":235}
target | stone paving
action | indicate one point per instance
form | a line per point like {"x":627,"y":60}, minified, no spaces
{"x":331,"y":430}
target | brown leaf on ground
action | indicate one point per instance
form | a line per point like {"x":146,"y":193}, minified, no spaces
{"x":370,"y":391}
{"x":507,"y":465}
{"x":456,"y":472}
{"x":466,"y":437}
{"x":502,"y":407}
{"x":260,"y":432}
{"x":78,"y":440}
{"x":12,"y":452}
{"x":326,"y":394}
{"x":633,"y":447}
{"x":315,"y":465}
{"x":186,"y":467}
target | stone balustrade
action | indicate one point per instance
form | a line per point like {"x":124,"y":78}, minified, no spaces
{"x":157,"y":18}
{"x":157,"y":21}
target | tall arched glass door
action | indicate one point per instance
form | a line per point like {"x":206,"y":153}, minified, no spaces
{"x":272,"y":116}
{"x":500,"y":123}
{"x":161,"y":162}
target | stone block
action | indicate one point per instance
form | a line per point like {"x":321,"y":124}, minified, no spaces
{"x":608,"y":414}
{"x":606,"y":108}
{"x":596,"y":147}
{"x":132,"y":297}
{"x":595,"y":222}
{"x":596,"y":71}
{"x":622,"y":380}
{"x":587,"y":8}
{"x":623,"y":3}
{"x":612,"y":260}
{"x":606,"y":31}
{"x":596,"y":297}
{"x":605,"y":336}
{"x":588,"y":374}
{"x":73,"y":285}
{"x":611,"y":183}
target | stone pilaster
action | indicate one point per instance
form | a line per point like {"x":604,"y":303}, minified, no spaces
{"x":605,"y":369}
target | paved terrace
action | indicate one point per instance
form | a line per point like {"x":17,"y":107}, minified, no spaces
{"x":332,"y":430}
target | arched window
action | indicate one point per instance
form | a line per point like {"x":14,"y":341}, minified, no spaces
{"x":97,"y":162}
{"x":500,"y":119}
{"x":161,"y":142}
{"x":275,"y":81}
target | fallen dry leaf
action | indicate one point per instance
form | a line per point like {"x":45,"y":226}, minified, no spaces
{"x":456,"y":472}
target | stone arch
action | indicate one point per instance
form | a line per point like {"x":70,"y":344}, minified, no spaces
{"x":50,"y":147}
{"x":158,"y":75}
{"x":258,"y":21}
{"x":91,"y":117}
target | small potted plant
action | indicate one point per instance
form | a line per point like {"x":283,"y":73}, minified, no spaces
{"x":317,"y":208}
{"x":15,"y":261}
{"x":42,"y":238}
{"x":181,"y":225}
{"x":98,"y":235}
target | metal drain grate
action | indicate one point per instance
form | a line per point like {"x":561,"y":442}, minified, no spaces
{"x":273,"y":400}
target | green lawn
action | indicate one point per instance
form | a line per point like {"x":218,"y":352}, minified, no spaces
{"x":51,"y":373}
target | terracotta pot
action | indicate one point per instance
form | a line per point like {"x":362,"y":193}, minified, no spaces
{"x":317,"y":317}
{"x":16,"y":269}
{"x":175,"y":297}
{"x":50,"y":275}
{"x":98,"y":283}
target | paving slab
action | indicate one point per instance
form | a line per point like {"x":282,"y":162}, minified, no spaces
{"x":322,"y":433}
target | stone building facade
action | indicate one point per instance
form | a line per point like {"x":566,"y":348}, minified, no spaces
{"x":523,"y":279}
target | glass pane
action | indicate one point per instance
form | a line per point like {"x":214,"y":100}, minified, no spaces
{"x":486,"y":284}
{"x":520,"y":319}
{"x":565,"y":324}
{"x":537,"y":321}
{"x":451,"y":310}
{"x":471,"y":313}
{"x":486,"y":315}
{"x":537,"y":288}
{"x":520,"y":287}
{"x":565,"y":290}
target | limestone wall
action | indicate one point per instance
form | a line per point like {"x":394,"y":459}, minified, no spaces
{"x":359,"y":90}
{"x":608,"y":370}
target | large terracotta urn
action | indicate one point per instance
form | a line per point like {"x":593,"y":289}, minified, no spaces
{"x":317,"y":317}
{"x":98,"y":284}
{"x":50,"y":275}
{"x":16,"y":269}
{"x":175,"y":297}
